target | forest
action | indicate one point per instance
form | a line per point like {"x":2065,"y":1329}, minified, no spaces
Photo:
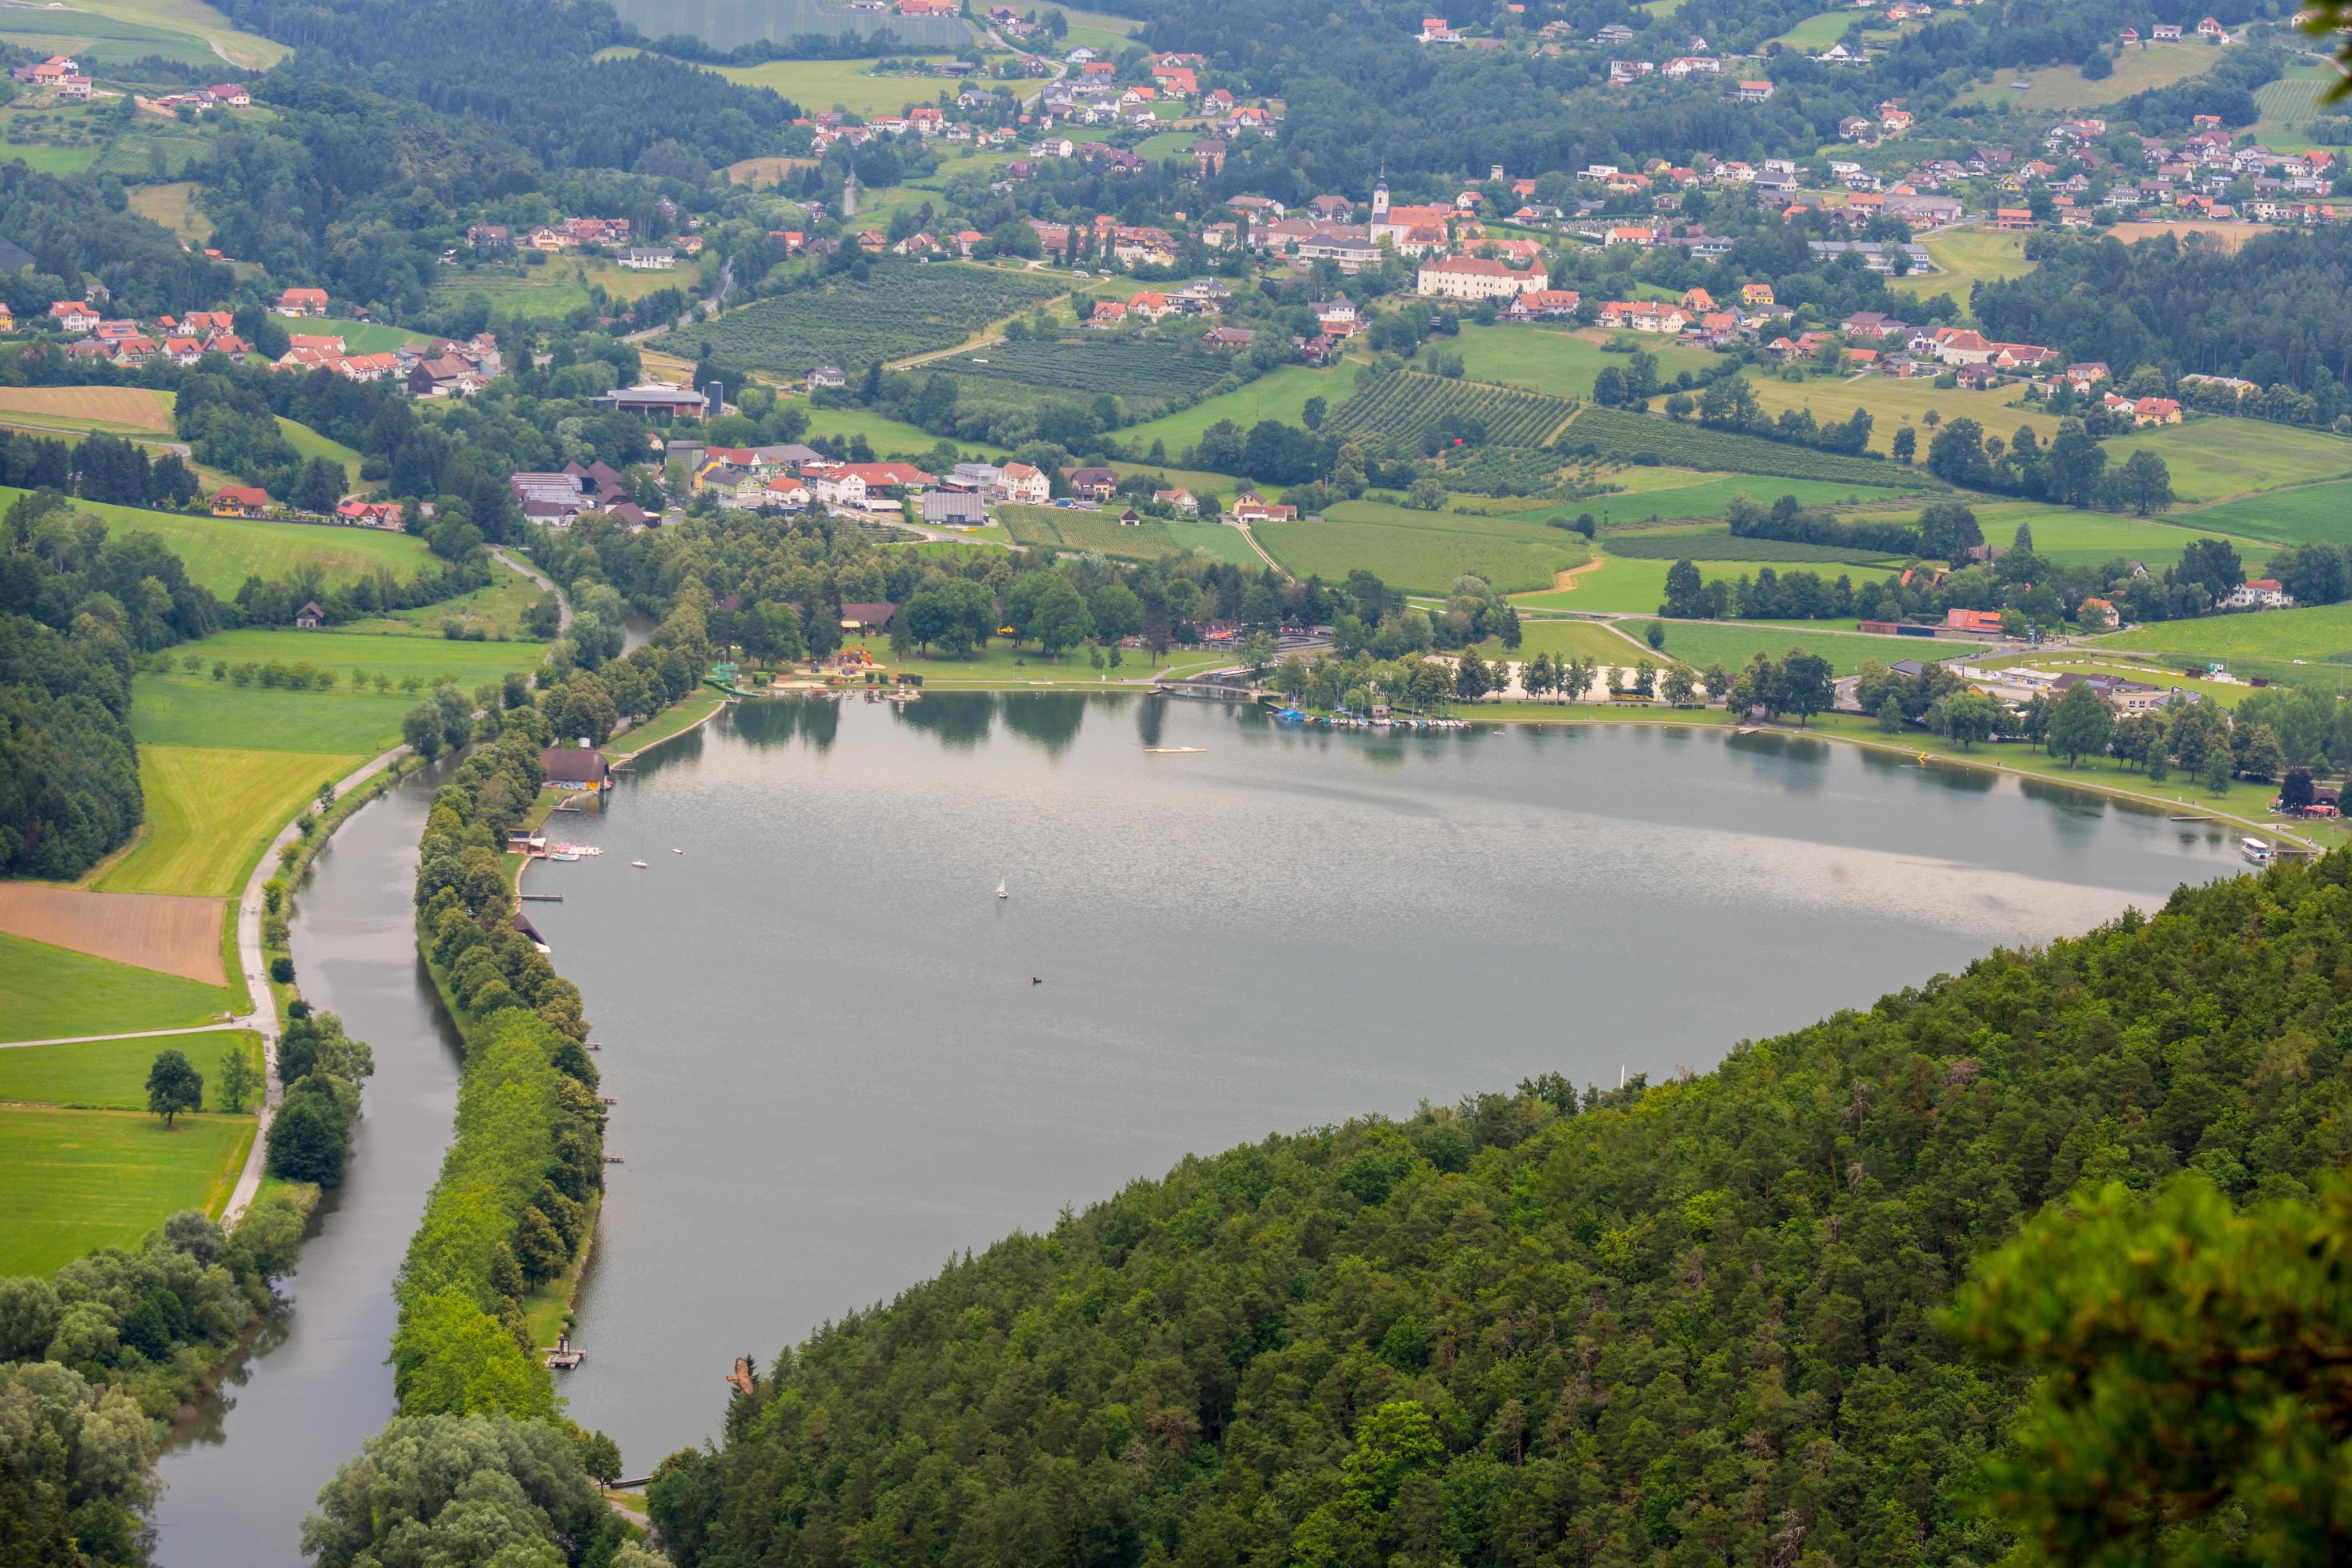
{"x":1707,"y":1320}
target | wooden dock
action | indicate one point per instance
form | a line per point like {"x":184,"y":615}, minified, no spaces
{"x":541,"y":898}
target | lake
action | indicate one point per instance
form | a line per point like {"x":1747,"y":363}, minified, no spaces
{"x":833,"y":1072}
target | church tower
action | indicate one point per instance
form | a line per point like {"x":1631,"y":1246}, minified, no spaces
{"x":1381,"y":199}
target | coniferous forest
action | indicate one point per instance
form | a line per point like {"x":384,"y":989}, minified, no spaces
{"x":1708,"y":1320}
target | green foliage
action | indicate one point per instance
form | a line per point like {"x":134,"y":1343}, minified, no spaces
{"x":1661,"y":545}
{"x":173,"y":1085}
{"x":2196,"y":1368}
{"x":900,"y":310}
{"x":1628,"y":437}
{"x":1410,"y":410}
{"x":473,"y":1490}
{"x":1695,"y":1322}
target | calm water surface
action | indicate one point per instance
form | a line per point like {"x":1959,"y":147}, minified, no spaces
{"x":833,"y":1071}
{"x":241,"y":1475}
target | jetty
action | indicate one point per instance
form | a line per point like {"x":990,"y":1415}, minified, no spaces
{"x":541,"y":898}
{"x":565,"y":1357}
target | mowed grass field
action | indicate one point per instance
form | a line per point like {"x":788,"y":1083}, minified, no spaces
{"x":2212,"y":459}
{"x":80,"y":1180}
{"x":2323,"y":633}
{"x":110,"y":409}
{"x":311,"y":444}
{"x":1556,"y":361}
{"x":468,"y":664}
{"x":1701,"y":643}
{"x":179,"y":709}
{"x":1817,"y":33}
{"x":1422,"y":551}
{"x":1710,"y":496}
{"x":852,"y":85}
{"x":2320,"y":513}
{"x":112,"y":1075}
{"x":49,"y":993}
{"x":210,"y":811}
{"x":359,"y":337}
{"x":1967,"y":258}
{"x":1056,"y":527}
{"x":887,"y":436}
{"x":1572,"y":640}
{"x":221,"y":552}
{"x":1620,"y":586}
{"x":2138,"y":67}
{"x":1281,"y":395}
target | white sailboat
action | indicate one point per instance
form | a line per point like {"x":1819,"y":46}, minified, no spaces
{"x":1000,"y":889}
{"x":639,"y":862}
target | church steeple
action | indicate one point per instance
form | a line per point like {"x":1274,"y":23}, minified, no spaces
{"x":1381,"y":196}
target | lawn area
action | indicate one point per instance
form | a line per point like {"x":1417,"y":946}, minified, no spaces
{"x":495,"y":611}
{"x":2308,"y":513}
{"x":397,"y":657}
{"x":1968,"y":257}
{"x":1104,"y":34}
{"x":180,"y":710}
{"x":311,"y":444}
{"x":1281,"y":395}
{"x":1620,"y":586}
{"x":210,"y":811}
{"x":80,"y":1180}
{"x":1893,"y":404}
{"x":1570,"y":639}
{"x":1069,"y":529}
{"x":1701,"y":643}
{"x":1817,"y":33}
{"x":2080,"y":538}
{"x":112,"y":1075}
{"x":889,"y":437}
{"x":114,"y":409}
{"x":561,"y":285}
{"x":1422,"y":551}
{"x":175,"y":207}
{"x":1710,"y":497}
{"x":49,"y":993}
{"x":816,"y":85}
{"x":359,"y":337}
{"x":2137,"y":69}
{"x":2211,"y":458}
{"x":682,"y":715}
{"x":1560,"y":363}
{"x":2243,"y":642}
{"x":45,"y":160}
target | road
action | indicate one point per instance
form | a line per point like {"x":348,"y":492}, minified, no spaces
{"x":234,"y":1023}
{"x":254,"y":964}
{"x":717,"y":298}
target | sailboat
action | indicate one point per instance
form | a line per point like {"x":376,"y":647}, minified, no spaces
{"x":1000,"y":889}
{"x":639,"y":863}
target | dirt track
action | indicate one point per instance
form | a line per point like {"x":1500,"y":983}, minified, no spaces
{"x":154,"y":931}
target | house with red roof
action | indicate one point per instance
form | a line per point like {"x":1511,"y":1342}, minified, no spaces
{"x":302,"y":302}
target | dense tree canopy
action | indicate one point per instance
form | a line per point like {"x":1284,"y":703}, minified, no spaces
{"x":1694,"y":1322}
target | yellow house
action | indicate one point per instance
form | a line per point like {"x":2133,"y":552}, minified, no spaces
{"x":242,"y":501}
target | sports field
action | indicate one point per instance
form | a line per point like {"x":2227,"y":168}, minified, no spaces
{"x":48,"y":992}
{"x":78,"y":1180}
{"x":112,"y":1075}
{"x":210,"y":810}
{"x":1967,"y":258}
{"x":1422,"y":551}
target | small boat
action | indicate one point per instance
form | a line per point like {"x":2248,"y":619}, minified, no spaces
{"x":1000,"y":889}
{"x":2255,"y":851}
{"x":563,"y":855}
{"x":1172,"y":751}
{"x":677,"y":851}
{"x":638,"y":864}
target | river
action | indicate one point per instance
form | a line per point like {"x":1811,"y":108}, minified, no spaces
{"x":833,"y":1072}
{"x":241,"y":1475}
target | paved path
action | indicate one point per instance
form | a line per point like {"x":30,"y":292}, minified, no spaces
{"x":255,"y":966}
{"x":245,"y":1023}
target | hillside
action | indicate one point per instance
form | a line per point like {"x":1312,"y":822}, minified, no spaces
{"x":1695,"y":1322}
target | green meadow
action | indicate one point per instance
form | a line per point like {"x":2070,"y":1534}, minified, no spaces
{"x":80,"y":1180}
{"x":52,"y":992}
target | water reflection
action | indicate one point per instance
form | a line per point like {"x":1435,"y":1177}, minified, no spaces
{"x":1049,"y":717}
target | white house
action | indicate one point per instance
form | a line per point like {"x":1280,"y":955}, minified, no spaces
{"x":1019,"y":482}
{"x":648,"y":258}
{"x":1477,"y":278}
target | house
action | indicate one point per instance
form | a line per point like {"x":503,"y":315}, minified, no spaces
{"x":2097,"y":613}
{"x":2165,"y":33}
{"x":1755,"y":294}
{"x":242,"y":501}
{"x":1019,"y":482}
{"x":1895,"y":121}
{"x":308,"y":617}
{"x":826,"y":377}
{"x":655,"y":398}
{"x":1750,"y":91}
{"x":868,"y":616}
{"x":1336,"y":317}
{"x":2209,"y":29}
{"x":1983,"y":622}
{"x":369,"y":513}
{"x":2260,"y":594}
{"x":1228,"y":337}
{"x":1250,"y":507}
{"x":1185,"y":503}
{"x":1475,"y":278}
{"x":302,"y":302}
{"x":74,"y":316}
{"x":648,"y":258}
{"x":1093,"y":484}
{"x":2013,"y":218}
{"x":1958,"y":345}
{"x":1629,"y":234}
{"x":575,"y":768}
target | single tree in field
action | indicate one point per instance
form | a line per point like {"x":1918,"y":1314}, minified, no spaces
{"x":2080,"y":725}
{"x":1890,"y":716}
{"x":172,"y":1086}
{"x":237,"y":1080}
